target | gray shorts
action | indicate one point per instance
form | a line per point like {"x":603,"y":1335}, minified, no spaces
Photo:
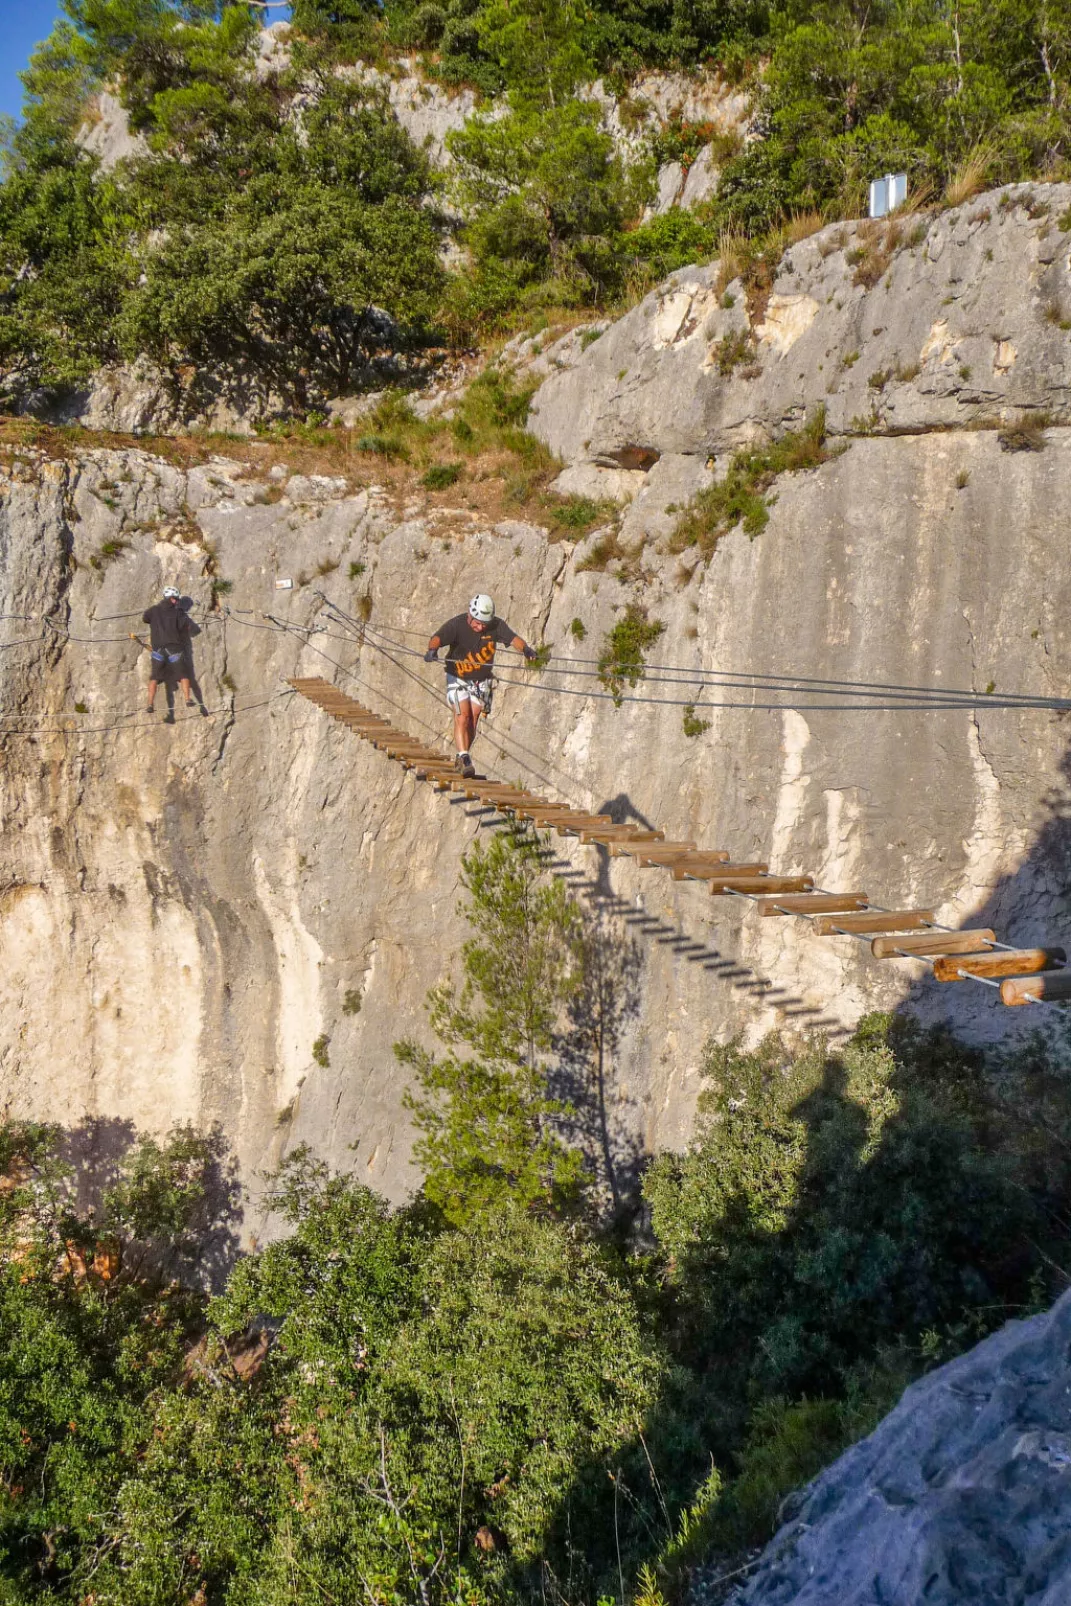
{"x":460,"y":691}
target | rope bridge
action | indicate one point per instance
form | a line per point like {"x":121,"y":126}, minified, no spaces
{"x":1020,"y":975}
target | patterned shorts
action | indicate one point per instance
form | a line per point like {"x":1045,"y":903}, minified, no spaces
{"x":460,"y":691}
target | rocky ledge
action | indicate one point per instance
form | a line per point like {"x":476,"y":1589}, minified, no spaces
{"x":961,"y":1497}
{"x":931,"y":322}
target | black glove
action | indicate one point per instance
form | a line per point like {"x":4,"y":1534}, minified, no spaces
{"x":530,"y":653}
{"x":431,"y":657}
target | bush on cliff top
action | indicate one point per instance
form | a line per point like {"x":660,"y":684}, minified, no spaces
{"x":208,"y":253}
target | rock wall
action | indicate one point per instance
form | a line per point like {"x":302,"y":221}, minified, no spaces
{"x":953,"y":322}
{"x":962,"y":1495}
{"x":187,"y":909}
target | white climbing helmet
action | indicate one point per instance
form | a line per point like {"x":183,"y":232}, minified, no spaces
{"x":170,"y":591}
{"x":482,"y":608}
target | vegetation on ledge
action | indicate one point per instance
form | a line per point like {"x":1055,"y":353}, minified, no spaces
{"x":742,"y":495}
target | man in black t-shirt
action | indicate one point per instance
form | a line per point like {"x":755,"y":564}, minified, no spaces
{"x":169,"y":636}
{"x":471,"y":640}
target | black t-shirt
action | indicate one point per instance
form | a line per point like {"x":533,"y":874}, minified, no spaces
{"x":471,"y":653}
{"x":169,"y":626}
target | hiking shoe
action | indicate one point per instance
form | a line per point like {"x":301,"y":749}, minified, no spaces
{"x":467,"y":766}
{"x":190,"y":703}
{"x":169,"y":717}
{"x":149,"y":709}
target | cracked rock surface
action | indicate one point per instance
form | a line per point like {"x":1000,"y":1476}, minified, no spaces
{"x":961,"y":1496}
{"x":951,"y":322}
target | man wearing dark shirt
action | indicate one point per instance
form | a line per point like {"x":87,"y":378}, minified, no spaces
{"x":471,"y":640}
{"x":169,"y":635}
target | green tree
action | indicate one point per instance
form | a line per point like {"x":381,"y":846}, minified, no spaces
{"x":425,"y":1412}
{"x":548,"y":196}
{"x":348,"y":25}
{"x":283,"y":253}
{"x":833,"y":1202}
{"x":158,"y":45}
{"x":91,"y":1323}
{"x":489,"y":1129}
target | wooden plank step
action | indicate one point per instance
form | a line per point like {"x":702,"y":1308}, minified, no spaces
{"x":555,"y":811}
{"x":934,"y":942}
{"x":662,"y":852}
{"x":723,"y":885}
{"x":622,"y":833}
{"x":874,"y":922}
{"x":703,"y":866}
{"x":562,"y":819}
{"x":818,"y":903}
{"x":511,"y":805}
{"x":1052,"y":988}
{"x":517,"y":806}
{"x":1001,"y":962}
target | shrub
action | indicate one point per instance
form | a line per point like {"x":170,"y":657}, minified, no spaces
{"x":577,"y":513}
{"x":741,"y":496}
{"x":691,"y":724}
{"x":441,"y":475}
{"x":1028,"y":435}
{"x":832,"y":1201}
{"x":621,"y":661}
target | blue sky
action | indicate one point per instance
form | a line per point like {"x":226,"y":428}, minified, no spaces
{"x":23,"y":24}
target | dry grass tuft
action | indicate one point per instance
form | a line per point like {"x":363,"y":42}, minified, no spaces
{"x":972,"y":173}
{"x":801,"y":225}
{"x":877,"y":242}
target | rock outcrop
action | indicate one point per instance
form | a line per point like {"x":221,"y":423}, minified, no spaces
{"x":950,"y":323}
{"x":961,"y":1496}
{"x":187,"y":910}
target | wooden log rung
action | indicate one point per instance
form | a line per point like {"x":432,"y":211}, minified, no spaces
{"x":661,"y":852}
{"x":1053,"y":988}
{"x":621,"y":833}
{"x":724,"y":886}
{"x":927,"y":944}
{"x":1001,"y":962}
{"x":873,"y":922}
{"x":813,"y":903}
{"x":711,"y":867}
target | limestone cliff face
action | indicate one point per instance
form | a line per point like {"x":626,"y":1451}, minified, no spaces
{"x":185,"y":910}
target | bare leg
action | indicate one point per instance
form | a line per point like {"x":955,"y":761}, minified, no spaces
{"x":152,"y":694}
{"x":185,"y":688}
{"x":465,"y":726}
